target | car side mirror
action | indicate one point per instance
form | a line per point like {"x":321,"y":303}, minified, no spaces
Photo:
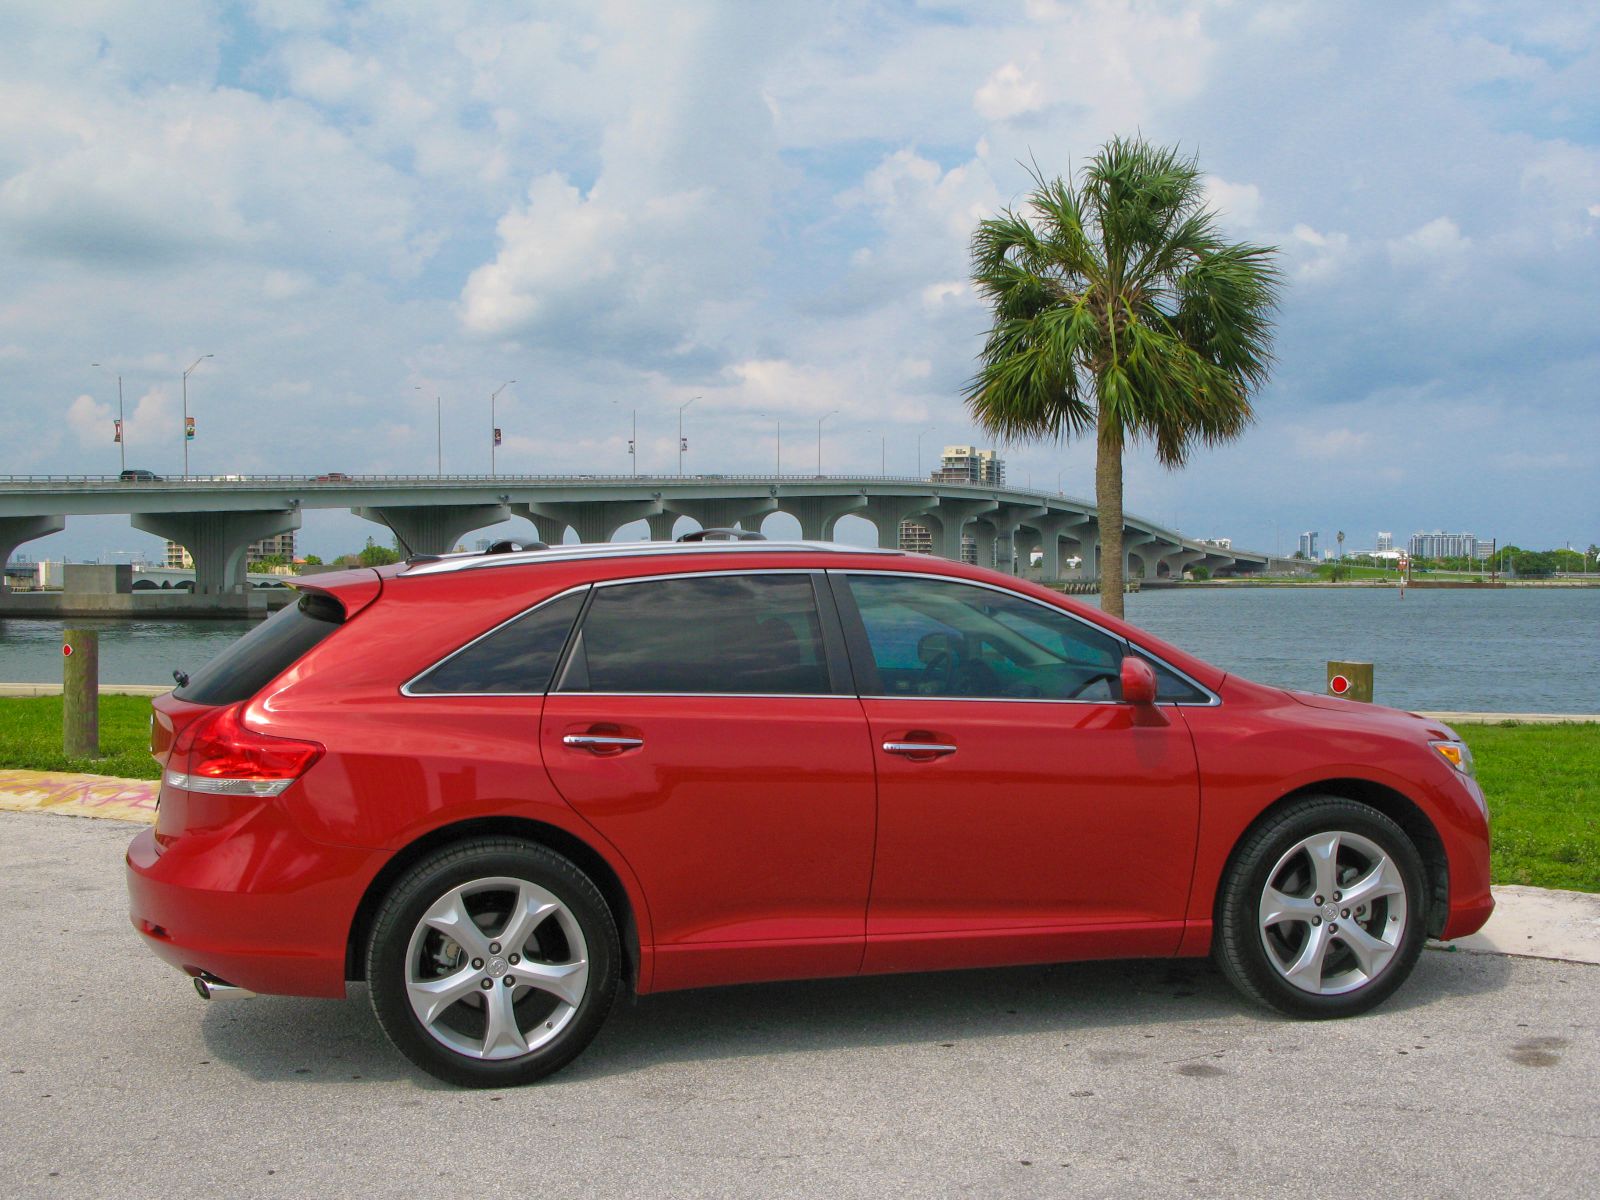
{"x":1138,"y":681}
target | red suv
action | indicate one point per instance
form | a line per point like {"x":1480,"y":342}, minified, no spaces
{"x":502,"y":788}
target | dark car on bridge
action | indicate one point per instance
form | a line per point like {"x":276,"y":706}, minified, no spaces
{"x":139,"y":475}
{"x":504,"y":789}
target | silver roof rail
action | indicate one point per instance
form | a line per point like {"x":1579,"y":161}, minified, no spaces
{"x":588,"y":550}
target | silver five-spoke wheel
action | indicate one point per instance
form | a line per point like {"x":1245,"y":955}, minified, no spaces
{"x":493,"y":961}
{"x":1333,"y":913}
{"x":496,"y":967}
{"x":1323,"y":909}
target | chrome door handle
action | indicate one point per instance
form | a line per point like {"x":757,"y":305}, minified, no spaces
{"x":601,"y":741}
{"x":931,"y":748}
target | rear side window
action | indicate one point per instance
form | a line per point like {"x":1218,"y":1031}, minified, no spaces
{"x":718,"y":634}
{"x":264,"y":653}
{"x":518,"y":658}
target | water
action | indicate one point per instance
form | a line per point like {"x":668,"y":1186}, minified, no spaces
{"x":1506,"y":650}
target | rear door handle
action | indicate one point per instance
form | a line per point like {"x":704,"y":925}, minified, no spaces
{"x":917,"y":749}
{"x":599,"y":742}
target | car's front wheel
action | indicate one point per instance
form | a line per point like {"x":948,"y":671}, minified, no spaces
{"x":493,"y":963}
{"x":1322,"y":912}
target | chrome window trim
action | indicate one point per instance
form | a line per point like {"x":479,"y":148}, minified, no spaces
{"x":1213,"y":701}
{"x":580,"y":551}
{"x":405,"y":688}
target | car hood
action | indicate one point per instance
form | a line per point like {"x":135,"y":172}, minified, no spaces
{"x":1358,"y":708}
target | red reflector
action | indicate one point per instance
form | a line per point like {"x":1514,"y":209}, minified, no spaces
{"x":220,"y":746}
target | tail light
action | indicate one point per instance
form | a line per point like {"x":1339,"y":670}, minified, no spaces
{"x":218,"y":755}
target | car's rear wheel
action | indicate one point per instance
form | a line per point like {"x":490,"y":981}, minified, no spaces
{"x":1323,"y":910}
{"x":493,"y":963}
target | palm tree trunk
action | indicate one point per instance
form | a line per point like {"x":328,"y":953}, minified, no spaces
{"x":1108,"y":499}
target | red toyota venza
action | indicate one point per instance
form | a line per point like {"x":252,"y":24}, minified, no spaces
{"x":504,"y":788}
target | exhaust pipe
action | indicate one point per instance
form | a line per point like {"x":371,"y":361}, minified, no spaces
{"x":211,"y":988}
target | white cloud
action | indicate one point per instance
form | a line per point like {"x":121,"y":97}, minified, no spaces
{"x":1438,"y":247}
{"x":1239,"y":204}
{"x":1008,"y":93}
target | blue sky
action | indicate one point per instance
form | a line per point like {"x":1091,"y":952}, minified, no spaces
{"x":623,"y":205}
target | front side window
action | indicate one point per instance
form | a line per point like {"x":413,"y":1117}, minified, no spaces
{"x":934,"y":637}
{"x":716,"y":634}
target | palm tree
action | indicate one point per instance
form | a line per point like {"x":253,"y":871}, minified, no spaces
{"x":1120,"y":310}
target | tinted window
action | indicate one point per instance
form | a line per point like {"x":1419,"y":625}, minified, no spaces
{"x":1172,"y":687}
{"x":516,"y":659}
{"x":264,"y":653}
{"x":725,"y":634}
{"x":931,"y":637}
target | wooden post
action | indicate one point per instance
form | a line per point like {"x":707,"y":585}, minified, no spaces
{"x":1350,"y":680}
{"x":80,"y":694}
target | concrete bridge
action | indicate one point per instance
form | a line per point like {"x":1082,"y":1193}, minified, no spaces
{"x":216,"y":518}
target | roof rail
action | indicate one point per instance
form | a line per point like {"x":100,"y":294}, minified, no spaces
{"x":596,"y":550}
{"x":724,"y":534}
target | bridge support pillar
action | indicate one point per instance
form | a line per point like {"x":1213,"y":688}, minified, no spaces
{"x":818,"y":514}
{"x":16,"y":530}
{"x":661,"y":526}
{"x":434,"y":528}
{"x":595,"y":520}
{"x":949,"y":519}
{"x":746,"y":512}
{"x":1179,"y":561}
{"x":886,"y":513}
{"x":1023,"y":543}
{"x":1134,"y":543}
{"x":983,"y":544}
{"x":218,"y":542}
{"x":1051,"y":528}
{"x":1004,"y":521}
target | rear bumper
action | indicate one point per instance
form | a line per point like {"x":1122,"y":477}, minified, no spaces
{"x":259,"y":906}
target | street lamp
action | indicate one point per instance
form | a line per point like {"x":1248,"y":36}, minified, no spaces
{"x":494,"y":430}
{"x":187,"y":432}
{"x":820,"y":420}
{"x":683,"y":445}
{"x":122,"y":428}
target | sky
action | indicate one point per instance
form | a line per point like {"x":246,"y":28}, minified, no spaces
{"x":371,"y":215}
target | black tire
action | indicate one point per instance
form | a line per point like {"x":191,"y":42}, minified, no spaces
{"x":1340,"y":971}
{"x":487,"y":880}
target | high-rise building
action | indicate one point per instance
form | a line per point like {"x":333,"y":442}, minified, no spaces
{"x":1440,"y":544}
{"x":1385,"y":541}
{"x":959,"y":464}
{"x":968,"y":464}
{"x":1308,"y":545}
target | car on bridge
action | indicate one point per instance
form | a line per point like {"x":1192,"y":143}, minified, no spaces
{"x":139,"y":475}
{"x":506,"y":788}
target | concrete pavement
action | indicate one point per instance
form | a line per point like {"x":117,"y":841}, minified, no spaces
{"x":1120,"y":1079}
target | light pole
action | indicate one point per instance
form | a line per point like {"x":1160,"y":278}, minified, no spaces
{"x":494,"y":430}
{"x":780,"y":444}
{"x":633,"y":442}
{"x":919,"y":450}
{"x":820,"y":420}
{"x":186,"y":433}
{"x":683,"y":445}
{"x":122,"y":427}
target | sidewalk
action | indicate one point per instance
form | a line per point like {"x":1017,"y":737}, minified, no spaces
{"x":1530,"y":922}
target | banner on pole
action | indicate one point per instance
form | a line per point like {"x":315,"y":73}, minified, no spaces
{"x":117,"y":435}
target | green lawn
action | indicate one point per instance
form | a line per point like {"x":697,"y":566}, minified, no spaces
{"x":1543,"y":781}
{"x":1543,"y":786}
{"x":30,"y":737}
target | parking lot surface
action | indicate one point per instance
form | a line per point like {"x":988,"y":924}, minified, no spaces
{"x":1116,"y":1079}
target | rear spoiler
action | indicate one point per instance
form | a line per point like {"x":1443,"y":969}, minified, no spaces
{"x":353,"y":589}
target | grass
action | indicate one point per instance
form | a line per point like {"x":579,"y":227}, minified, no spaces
{"x":30,"y":737}
{"x":1543,"y":787}
{"x":1542,"y":781}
